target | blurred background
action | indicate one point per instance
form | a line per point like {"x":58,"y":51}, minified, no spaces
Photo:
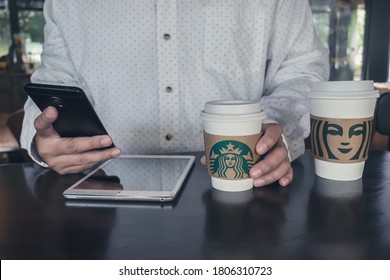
{"x":355,"y":31}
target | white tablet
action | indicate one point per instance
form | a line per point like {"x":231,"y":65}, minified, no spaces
{"x":134,"y":178}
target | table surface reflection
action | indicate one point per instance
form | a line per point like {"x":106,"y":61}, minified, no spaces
{"x":313,"y":218}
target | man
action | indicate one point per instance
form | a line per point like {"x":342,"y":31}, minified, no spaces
{"x":149,"y":66}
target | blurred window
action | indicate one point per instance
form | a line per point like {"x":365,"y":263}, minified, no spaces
{"x":24,"y":19}
{"x":388,"y":71}
{"x":340,"y":25}
{"x":31,"y":23}
{"x":5,"y":31}
{"x":29,"y":4}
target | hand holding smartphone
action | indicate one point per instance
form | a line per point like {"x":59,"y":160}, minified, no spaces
{"x":76,"y":116}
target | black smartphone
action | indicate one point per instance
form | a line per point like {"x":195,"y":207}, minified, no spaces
{"x":76,"y":116}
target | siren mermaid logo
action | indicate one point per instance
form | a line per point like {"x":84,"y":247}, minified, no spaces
{"x":231,"y":159}
{"x":333,"y":139}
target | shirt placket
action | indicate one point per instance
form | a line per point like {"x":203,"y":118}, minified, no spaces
{"x":168,"y":73}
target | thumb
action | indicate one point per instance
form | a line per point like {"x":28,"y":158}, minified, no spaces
{"x":43,"y":123}
{"x":270,"y":136}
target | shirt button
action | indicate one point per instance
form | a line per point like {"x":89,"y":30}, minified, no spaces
{"x":168,"y":89}
{"x":167,"y":37}
{"x":169,"y":137}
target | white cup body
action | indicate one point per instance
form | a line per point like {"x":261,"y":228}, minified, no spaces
{"x":229,"y":120}
{"x":347,"y":100}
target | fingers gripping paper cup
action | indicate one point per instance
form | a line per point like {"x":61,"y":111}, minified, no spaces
{"x":232,"y":129}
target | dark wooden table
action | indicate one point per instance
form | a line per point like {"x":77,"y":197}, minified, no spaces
{"x":311,"y":219}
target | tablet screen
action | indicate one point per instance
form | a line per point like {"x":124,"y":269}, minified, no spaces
{"x":134,"y":178}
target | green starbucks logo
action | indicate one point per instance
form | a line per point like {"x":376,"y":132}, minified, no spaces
{"x":231,"y":159}
{"x":341,"y":140}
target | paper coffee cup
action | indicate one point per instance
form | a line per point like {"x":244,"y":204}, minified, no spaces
{"x":231,"y":131}
{"x":341,"y":118}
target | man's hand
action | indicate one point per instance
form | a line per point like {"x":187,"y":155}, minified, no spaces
{"x":275,"y":166}
{"x":69,"y":155}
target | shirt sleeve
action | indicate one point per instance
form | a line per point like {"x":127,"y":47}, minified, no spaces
{"x":296,"y":58}
{"x":56,"y":68}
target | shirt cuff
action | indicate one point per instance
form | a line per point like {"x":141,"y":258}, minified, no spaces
{"x":35,"y":156}
{"x":284,"y":139}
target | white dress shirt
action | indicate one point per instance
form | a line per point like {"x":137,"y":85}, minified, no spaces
{"x":148,"y":66}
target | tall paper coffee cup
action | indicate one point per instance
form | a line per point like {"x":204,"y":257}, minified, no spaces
{"x":231,"y":131}
{"x":342,"y":115}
